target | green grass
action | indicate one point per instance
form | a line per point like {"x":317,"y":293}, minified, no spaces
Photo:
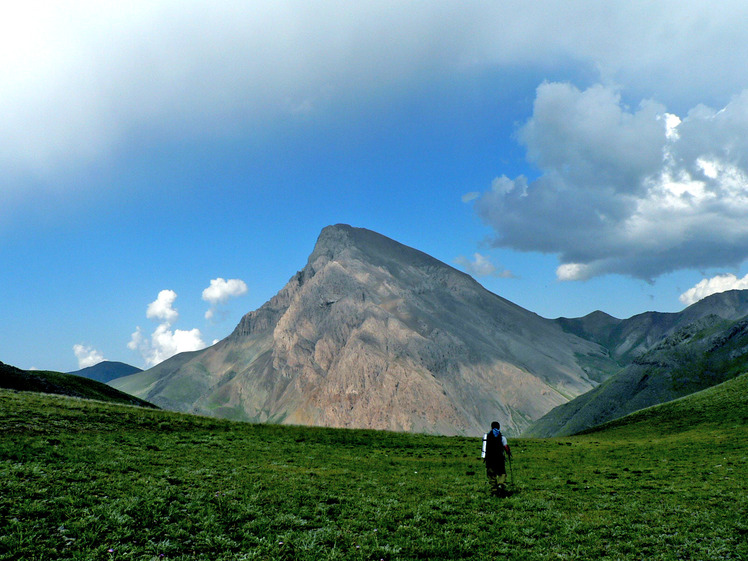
{"x":85,"y":480}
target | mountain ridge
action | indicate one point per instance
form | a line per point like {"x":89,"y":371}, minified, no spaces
{"x":371,"y":333}
{"x":704,"y":347}
{"x":627,"y":338}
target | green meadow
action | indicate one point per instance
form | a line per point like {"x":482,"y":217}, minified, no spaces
{"x":87,"y":480}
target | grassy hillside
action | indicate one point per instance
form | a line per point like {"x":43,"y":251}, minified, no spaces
{"x":85,"y":480}
{"x":63,"y":384}
{"x":721,"y":409}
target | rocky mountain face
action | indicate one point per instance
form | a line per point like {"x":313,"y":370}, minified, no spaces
{"x":374,"y":334}
{"x":674,"y":355}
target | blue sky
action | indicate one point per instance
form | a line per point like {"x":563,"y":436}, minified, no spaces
{"x":166,"y":167}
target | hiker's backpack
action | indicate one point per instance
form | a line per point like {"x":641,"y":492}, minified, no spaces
{"x":500,"y":438}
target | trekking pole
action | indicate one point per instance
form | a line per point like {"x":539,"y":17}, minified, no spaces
{"x":511,"y":471}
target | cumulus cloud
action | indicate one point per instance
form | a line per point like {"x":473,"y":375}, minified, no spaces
{"x":481,"y":266}
{"x":87,"y":356}
{"x":714,"y":285}
{"x":572,"y":272}
{"x":635,"y":191}
{"x":162,"y":308}
{"x":164,"y":342}
{"x":219,"y":292}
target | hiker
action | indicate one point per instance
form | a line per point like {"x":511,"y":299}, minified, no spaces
{"x":494,"y":448}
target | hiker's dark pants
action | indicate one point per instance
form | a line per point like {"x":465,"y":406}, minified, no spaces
{"x":496,"y":474}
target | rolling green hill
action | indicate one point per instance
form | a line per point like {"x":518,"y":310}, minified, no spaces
{"x":83,"y":480}
{"x":722,"y":408}
{"x":44,"y":381}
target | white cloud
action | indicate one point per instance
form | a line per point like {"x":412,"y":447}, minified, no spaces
{"x":572,"y":272}
{"x":164,"y":342}
{"x":219,"y":292}
{"x":636,"y":191}
{"x":162,"y":308}
{"x":471,"y":196}
{"x":481,"y":266}
{"x":671,"y":126}
{"x":714,"y":285}
{"x":81,"y":77}
{"x":87,"y":356}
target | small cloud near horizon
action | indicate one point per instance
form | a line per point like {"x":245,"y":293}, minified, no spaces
{"x":714,"y":285}
{"x":164,"y":342}
{"x":87,"y":356}
{"x":481,"y":266}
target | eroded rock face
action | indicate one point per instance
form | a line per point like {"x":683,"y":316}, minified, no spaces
{"x":374,"y":334}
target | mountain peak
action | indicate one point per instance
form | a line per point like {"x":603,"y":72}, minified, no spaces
{"x":106,"y":371}
{"x":375,"y":334}
{"x":340,"y":240}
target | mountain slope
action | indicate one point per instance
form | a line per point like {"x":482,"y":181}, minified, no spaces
{"x":106,"y":371}
{"x":375,"y":334}
{"x":703,"y":353}
{"x":723,"y":407}
{"x":43,"y":381}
